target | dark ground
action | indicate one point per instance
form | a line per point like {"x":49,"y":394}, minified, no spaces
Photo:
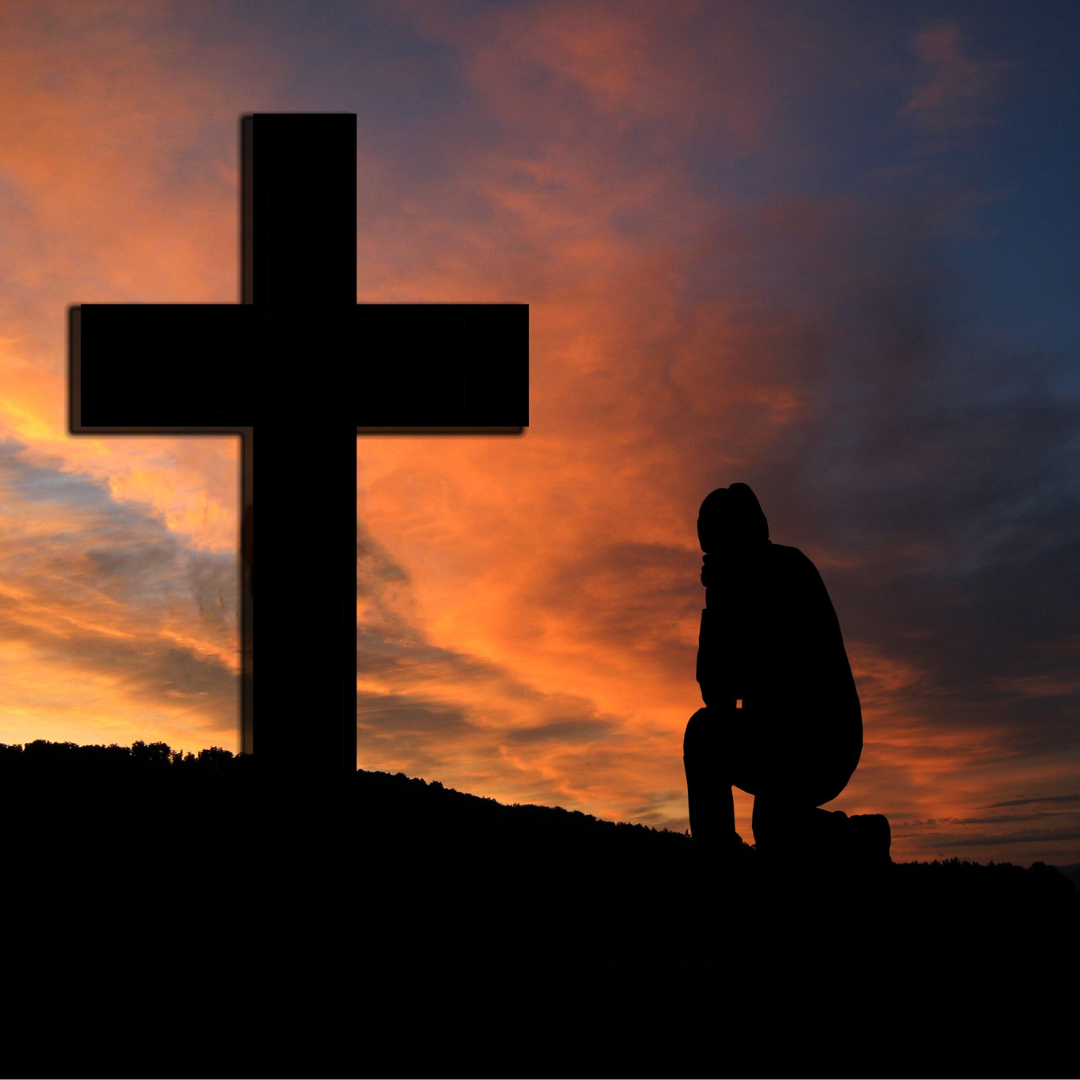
{"x":201,"y":918}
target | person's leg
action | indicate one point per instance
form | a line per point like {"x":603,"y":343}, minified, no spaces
{"x":799,"y":772}
{"x":780,"y":824}
{"x":794,"y":829}
{"x":708,"y":787}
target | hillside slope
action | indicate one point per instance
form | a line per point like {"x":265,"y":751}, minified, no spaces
{"x":438,"y":933}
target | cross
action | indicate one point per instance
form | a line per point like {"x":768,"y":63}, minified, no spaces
{"x":298,"y":369}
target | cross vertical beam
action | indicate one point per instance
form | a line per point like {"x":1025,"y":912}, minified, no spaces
{"x":300,"y":276}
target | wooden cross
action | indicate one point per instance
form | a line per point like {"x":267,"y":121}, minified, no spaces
{"x":297,"y":370}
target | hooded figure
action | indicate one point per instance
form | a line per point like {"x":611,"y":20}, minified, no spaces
{"x":782,"y":719}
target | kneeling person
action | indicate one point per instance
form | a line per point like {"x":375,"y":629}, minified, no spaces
{"x":782,"y":719}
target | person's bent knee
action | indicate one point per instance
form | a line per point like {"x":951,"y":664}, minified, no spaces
{"x":695,"y":732}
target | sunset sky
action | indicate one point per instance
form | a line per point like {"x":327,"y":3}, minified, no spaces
{"x":828,"y":249}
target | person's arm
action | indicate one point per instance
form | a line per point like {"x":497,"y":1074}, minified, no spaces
{"x":720,"y":666}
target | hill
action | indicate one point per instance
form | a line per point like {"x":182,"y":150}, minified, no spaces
{"x":453,"y":907}
{"x":104,"y":825}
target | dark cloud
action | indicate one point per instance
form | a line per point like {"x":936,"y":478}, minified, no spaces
{"x":404,"y":713}
{"x":958,"y":90}
{"x":1063,"y":838}
{"x":562,"y":731}
{"x":1057,"y":800}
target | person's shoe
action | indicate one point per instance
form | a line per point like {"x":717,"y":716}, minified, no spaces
{"x":871,"y":839}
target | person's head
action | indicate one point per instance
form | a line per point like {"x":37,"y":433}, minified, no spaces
{"x":731,"y":519}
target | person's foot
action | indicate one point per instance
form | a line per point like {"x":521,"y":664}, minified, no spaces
{"x":871,"y":839}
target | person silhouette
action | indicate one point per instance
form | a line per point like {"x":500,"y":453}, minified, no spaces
{"x":782,"y":719}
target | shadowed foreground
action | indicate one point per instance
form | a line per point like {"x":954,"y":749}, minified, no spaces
{"x":453,"y":933}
